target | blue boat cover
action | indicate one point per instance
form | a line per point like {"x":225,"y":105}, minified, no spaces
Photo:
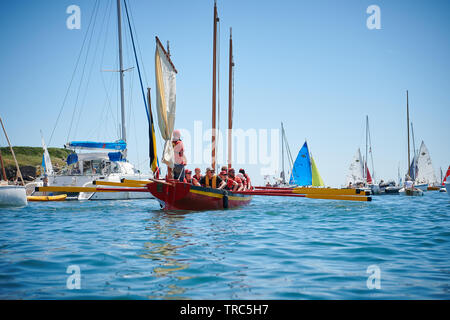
{"x":118,"y":145}
{"x":72,"y":158}
{"x":115,"y":156}
{"x":301,"y":171}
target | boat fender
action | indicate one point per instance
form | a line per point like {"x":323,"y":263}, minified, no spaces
{"x":225,"y":199}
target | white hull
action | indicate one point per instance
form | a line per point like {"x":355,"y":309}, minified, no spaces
{"x":422,"y":186}
{"x":13,"y":196}
{"x":86,"y":181}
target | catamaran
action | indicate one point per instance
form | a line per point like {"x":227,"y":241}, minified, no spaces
{"x":100,"y":161}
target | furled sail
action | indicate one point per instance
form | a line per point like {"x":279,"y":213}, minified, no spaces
{"x":413,"y":168}
{"x":165,"y":74}
{"x":46,"y":161}
{"x":425,"y":170}
{"x":301,"y":171}
{"x":316,"y":178}
{"x":355,"y":172}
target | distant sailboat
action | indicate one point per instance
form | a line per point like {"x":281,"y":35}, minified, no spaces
{"x":355,"y":175}
{"x":304,"y":170}
{"x":445,"y":180}
{"x":410,"y":190}
{"x":425,"y":172}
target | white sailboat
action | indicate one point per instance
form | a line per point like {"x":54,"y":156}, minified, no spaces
{"x":11,"y":195}
{"x":425,"y":175}
{"x":105,"y":161}
{"x":355,"y":175}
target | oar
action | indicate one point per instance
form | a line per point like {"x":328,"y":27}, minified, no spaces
{"x":311,"y":196}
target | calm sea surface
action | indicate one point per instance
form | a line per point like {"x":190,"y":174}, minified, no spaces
{"x":276,"y":248}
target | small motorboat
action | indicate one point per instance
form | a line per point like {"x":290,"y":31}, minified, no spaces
{"x":411,"y":191}
{"x":60,"y":197}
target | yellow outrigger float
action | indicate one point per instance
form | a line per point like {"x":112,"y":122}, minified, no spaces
{"x":60,"y":197}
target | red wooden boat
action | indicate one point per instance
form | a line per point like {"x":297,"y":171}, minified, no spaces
{"x":184,"y":196}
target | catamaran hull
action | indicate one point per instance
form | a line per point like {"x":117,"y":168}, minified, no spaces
{"x":13,"y":196}
{"x":183,"y":196}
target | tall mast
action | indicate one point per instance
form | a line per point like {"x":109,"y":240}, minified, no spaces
{"x":407,"y":126}
{"x":414,"y":150}
{"x":282,"y":152}
{"x":367,"y":159}
{"x":121,"y":71}
{"x":230,"y":103}
{"x":213,"y":140}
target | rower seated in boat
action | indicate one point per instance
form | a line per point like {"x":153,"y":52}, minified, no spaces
{"x":248,"y":183}
{"x":238,"y":185}
{"x":189,"y":179}
{"x":210,"y":180}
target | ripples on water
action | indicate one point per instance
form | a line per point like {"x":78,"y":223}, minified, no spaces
{"x":277,"y":248}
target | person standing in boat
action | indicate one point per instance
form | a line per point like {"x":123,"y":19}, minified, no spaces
{"x":210,"y":180}
{"x":409,"y":184}
{"x":180,"y":158}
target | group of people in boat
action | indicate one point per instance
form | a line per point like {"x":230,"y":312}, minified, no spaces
{"x":226,"y":179}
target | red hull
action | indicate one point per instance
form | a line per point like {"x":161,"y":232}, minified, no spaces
{"x":184,"y":196}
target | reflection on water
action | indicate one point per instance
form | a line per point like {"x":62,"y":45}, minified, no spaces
{"x":168,"y":236}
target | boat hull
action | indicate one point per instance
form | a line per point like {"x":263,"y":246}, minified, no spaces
{"x":13,"y":196}
{"x":422,"y":186}
{"x":183,"y":196}
{"x":61,"y":197}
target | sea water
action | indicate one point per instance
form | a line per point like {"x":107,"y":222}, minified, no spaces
{"x":395,"y":247}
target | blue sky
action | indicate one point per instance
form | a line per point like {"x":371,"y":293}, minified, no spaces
{"x":312,"y":64}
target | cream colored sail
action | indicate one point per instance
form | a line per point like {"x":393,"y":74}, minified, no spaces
{"x":165,"y":74}
{"x":425,"y":170}
{"x":316,"y":178}
{"x":356,"y":172}
{"x":47,"y":160}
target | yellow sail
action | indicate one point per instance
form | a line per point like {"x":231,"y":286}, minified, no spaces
{"x":316,"y":178}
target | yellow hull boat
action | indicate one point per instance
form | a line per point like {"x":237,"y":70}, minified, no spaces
{"x":60,"y":197}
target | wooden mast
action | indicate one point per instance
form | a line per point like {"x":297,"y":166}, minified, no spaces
{"x":230,"y":103}
{"x":19,"y":174}
{"x":213,"y":140}
{"x":407,"y":126}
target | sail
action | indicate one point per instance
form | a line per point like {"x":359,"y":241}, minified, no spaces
{"x":446,"y":176}
{"x":356,"y":172}
{"x":368,"y":176}
{"x":301,"y":171}
{"x":153,"y":155}
{"x":46,"y":161}
{"x":413,"y":168}
{"x":316,"y":178}
{"x":425,"y":171}
{"x":165,"y":74}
